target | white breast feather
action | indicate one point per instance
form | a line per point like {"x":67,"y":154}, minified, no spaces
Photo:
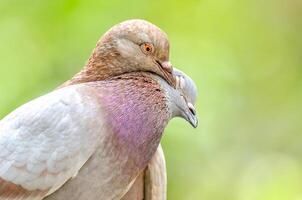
{"x":46,"y":141}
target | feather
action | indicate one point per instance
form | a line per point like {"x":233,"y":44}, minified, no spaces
{"x":156,"y":177}
{"x":39,"y":154}
{"x":151,"y":184}
{"x":97,"y":140}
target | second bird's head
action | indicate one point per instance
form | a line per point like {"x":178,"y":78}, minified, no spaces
{"x":133,"y":45}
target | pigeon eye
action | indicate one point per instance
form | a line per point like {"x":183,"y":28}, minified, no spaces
{"x":147,"y":48}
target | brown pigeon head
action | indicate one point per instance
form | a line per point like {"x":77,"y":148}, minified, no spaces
{"x":133,"y":45}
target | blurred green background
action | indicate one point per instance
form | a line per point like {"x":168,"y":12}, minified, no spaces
{"x":245,"y":56}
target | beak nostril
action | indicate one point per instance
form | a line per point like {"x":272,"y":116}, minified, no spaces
{"x":192,"y":109}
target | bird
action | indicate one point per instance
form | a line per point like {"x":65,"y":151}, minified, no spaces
{"x":28,"y":136}
{"x":151,"y":184}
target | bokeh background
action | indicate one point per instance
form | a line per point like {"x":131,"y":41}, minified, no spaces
{"x":245,"y":56}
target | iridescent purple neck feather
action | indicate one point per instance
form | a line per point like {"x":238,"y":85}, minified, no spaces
{"x":137,"y":110}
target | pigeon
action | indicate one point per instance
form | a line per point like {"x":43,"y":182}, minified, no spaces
{"x":46,"y":142}
{"x":151,"y":184}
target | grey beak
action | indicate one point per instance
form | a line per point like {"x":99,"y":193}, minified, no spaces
{"x":192,"y":118}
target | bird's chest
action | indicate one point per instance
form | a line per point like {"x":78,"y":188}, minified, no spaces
{"x":136,"y":118}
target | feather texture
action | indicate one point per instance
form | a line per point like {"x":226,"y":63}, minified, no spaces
{"x":153,"y":180}
{"x":47,"y":141}
{"x":156,"y":177}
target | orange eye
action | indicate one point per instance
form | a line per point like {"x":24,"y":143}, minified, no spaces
{"x":147,"y":48}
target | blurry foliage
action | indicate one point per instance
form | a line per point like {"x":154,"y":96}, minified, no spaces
{"x":245,"y":57}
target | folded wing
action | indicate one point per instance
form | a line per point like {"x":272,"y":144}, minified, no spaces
{"x":46,"y":141}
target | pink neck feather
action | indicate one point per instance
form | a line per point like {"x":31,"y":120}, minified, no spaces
{"x":136,"y":110}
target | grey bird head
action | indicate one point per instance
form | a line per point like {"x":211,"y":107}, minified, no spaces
{"x":183,"y":98}
{"x":189,"y":91}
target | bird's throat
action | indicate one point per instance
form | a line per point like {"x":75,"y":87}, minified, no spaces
{"x":137,"y":114}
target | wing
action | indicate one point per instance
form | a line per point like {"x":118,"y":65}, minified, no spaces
{"x":156,"y":177}
{"x":151,"y":184}
{"x":46,"y":141}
